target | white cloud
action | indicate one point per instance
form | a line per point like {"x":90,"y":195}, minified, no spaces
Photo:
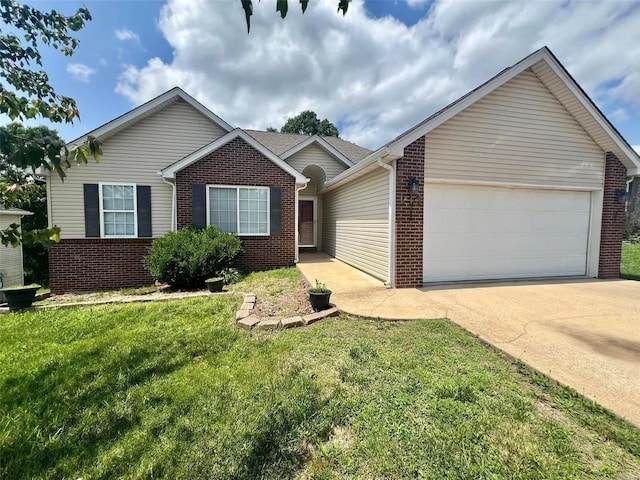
{"x":417,"y":3}
{"x":80,"y":71}
{"x":124,"y":34}
{"x":377,"y":77}
{"x":620,"y":115}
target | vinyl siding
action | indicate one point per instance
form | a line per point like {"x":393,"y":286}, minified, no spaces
{"x":355,"y":223}
{"x":315,"y":155}
{"x":10,"y":258}
{"x":519,"y":133}
{"x":135,"y":155}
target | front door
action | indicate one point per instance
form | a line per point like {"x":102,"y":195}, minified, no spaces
{"x":306,"y":224}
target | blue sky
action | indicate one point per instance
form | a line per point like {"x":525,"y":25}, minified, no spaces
{"x":377,"y":71}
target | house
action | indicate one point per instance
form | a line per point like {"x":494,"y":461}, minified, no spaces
{"x":11,"y":265}
{"x":520,"y":178}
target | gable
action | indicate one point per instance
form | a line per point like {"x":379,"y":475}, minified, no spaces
{"x":519,"y":133}
{"x":316,"y":155}
{"x":134,"y":154}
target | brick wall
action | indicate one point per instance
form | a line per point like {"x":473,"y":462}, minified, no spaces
{"x":85,"y":265}
{"x":238,"y":163}
{"x":613,"y":217}
{"x":409,"y":217}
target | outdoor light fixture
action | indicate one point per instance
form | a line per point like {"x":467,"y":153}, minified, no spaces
{"x":414,"y":185}
{"x":622,"y":195}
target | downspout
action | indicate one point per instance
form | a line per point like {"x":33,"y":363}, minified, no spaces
{"x":173,"y":202}
{"x":299,"y":186}
{"x":392,"y":208}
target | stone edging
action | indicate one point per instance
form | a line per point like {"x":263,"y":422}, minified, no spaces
{"x":247,"y":320}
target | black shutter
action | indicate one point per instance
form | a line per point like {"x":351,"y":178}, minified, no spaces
{"x":275,"y":195}
{"x":91,"y":210}
{"x":143,"y":195}
{"x":198,"y":205}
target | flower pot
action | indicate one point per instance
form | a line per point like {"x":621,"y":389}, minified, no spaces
{"x":20,"y":298}
{"x":319,"y":301}
{"x":215,"y":284}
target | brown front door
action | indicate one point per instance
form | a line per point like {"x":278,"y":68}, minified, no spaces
{"x":305,"y":223}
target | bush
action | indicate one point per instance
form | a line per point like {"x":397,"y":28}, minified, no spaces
{"x":186,"y":258}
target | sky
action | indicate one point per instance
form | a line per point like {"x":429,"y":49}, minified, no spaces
{"x":376,"y":72}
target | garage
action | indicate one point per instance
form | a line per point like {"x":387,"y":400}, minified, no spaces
{"x":486,"y":232}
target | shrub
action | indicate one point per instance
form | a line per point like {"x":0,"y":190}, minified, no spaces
{"x":186,"y":258}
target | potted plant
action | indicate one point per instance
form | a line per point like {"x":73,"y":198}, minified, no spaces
{"x":20,"y":297}
{"x":215,"y":284}
{"x":319,"y":296}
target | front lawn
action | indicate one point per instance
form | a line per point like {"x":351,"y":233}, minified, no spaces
{"x":630,"y":265}
{"x":175,"y":390}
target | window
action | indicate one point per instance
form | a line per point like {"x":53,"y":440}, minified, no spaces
{"x":118,"y":210}
{"x":241,"y":210}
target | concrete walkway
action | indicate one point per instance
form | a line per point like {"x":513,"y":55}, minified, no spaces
{"x":582,"y":333}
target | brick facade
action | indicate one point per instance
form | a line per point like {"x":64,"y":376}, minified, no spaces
{"x":86,"y":265}
{"x":238,"y":163}
{"x":613,"y":216}
{"x":409,"y":222}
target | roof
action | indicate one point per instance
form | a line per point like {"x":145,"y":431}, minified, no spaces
{"x":148,"y":108}
{"x":171,"y":170}
{"x":14,"y":211}
{"x":280,"y":143}
{"x":561,"y":84}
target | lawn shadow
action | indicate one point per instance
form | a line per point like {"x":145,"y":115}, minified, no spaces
{"x":60,"y":394}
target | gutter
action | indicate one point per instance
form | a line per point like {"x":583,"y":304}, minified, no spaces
{"x":392,"y":211}
{"x":174,"y":207}
{"x":360,"y":167}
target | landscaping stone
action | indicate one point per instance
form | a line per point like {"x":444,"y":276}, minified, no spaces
{"x":249,"y":322}
{"x":268,"y":324}
{"x":248,"y":306}
{"x":242,"y":314}
{"x":250,"y":297}
{"x":292,"y":322}
{"x":314,"y":317}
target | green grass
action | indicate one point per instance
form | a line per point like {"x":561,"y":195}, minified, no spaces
{"x":174,"y":390}
{"x":630,"y":265}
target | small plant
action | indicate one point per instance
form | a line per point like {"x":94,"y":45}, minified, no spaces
{"x":186,"y":258}
{"x":319,"y":288}
{"x":230,"y":276}
{"x":319,"y":296}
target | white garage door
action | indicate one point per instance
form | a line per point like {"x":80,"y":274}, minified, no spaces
{"x":474,"y":233}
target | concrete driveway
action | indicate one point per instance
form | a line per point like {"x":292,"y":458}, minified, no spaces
{"x":582,"y":333}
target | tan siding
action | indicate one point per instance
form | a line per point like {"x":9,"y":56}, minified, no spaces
{"x":10,"y":258}
{"x":315,"y":155}
{"x":519,"y":133}
{"x":355,"y":223}
{"x":135,"y":155}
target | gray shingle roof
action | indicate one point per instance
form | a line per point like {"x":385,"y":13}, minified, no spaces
{"x":279,"y":143}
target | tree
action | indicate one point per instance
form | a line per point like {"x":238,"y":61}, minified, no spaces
{"x":34,"y":195}
{"x":282,"y":6}
{"x":308,"y":123}
{"x":25,"y":93}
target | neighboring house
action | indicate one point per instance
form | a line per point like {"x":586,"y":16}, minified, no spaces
{"x":11,"y":265}
{"x":520,"y":178}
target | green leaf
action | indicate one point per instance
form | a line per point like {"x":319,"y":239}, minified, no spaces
{"x":304,"y":4}
{"x":282,"y":6}
{"x":247,"y":6}
{"x":343,"y":5}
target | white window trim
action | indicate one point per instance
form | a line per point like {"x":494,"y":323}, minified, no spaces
{"x":135,"y":210}
{"x":238,"y":187}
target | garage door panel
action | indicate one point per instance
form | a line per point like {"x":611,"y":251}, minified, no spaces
{"x":504,"y":233}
